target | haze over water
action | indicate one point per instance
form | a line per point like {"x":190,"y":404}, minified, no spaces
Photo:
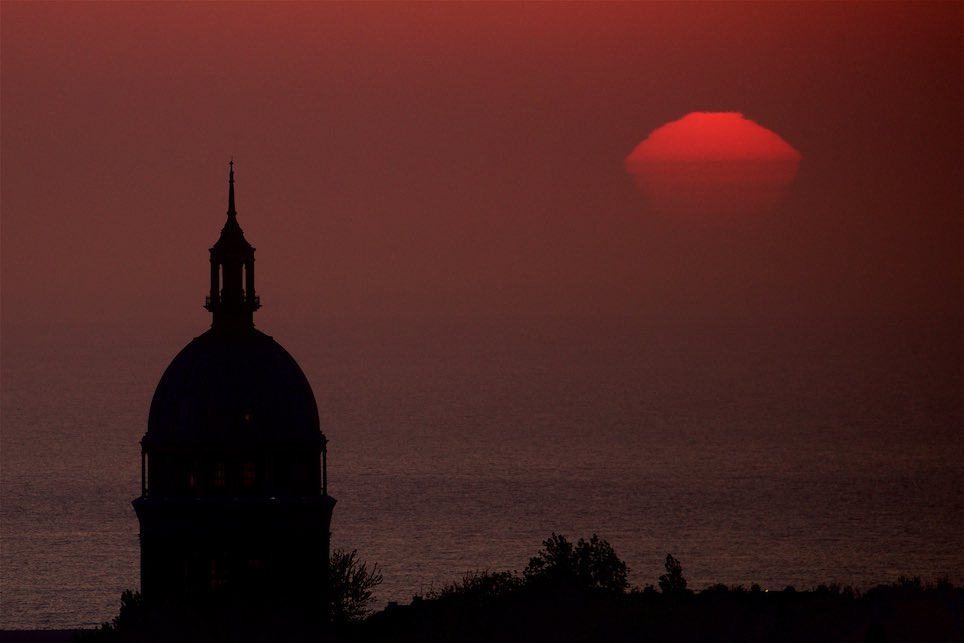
{"x":464,"y":451}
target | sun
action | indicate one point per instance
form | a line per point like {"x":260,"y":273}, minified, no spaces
{"x":713,"y":163}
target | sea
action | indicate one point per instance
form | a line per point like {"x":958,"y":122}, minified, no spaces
{"x":749,"y":458}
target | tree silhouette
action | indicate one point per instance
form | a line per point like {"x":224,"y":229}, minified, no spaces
{"x":591,"y":564}
{"x":479,"y":586}
{"x":672,"y":582}
{"x":350,"y":586}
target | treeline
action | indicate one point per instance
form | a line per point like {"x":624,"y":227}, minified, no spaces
{"x":579,"y":592}
{"x":571,"y":592}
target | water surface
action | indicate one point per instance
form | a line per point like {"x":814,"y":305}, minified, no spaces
{"x":754,"y":464}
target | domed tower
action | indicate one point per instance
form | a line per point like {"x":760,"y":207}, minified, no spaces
{"x":234,"y":500}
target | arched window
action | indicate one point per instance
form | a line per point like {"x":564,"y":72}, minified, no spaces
{"x":220,"y":475}
{"x":250,"y":477}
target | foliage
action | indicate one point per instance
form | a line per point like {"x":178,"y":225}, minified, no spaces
{"x":591,"y":564}
{"x":131,"y":610}
{"x":479,"y":586}
{"x":910,"y":584}
{"x":130,"y":617}
{"x":672,"y":582}
{"x":351,"y":586}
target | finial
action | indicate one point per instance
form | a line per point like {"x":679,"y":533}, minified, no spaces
{"x":231,"y":210}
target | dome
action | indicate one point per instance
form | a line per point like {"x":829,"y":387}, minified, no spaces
{"x":233,"y":386}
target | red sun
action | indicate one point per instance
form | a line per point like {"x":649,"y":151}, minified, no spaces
{"x":713,"y":163}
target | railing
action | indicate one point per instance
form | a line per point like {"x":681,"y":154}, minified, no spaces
{"x":209,"y":301}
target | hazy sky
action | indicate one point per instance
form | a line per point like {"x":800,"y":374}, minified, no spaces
{"x":460,"y":166}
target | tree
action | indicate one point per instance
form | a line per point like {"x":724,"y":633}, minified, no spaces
{"x":129,"y":620}
{"x":350,"y":586}
{"x":479,"y":587}
{"x":591,"y":564}
{"x":672,"y":582}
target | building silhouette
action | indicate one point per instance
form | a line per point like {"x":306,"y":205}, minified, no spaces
{"x":234,"y":506}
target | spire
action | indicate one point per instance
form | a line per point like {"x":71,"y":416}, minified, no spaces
{"x":231,"y":211}
{"x":232,"y":298}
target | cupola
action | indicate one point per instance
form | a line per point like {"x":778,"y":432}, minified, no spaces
{"x":232,"y":299}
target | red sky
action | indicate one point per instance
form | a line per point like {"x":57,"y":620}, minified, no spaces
{"x":460,"y":166}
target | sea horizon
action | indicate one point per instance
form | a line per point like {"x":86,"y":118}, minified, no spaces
{"x":465,"y":452}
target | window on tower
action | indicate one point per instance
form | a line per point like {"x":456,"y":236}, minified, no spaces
{"x":218,"y":579}
{"x":220,"y":476}
{"x":250,"y":475}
